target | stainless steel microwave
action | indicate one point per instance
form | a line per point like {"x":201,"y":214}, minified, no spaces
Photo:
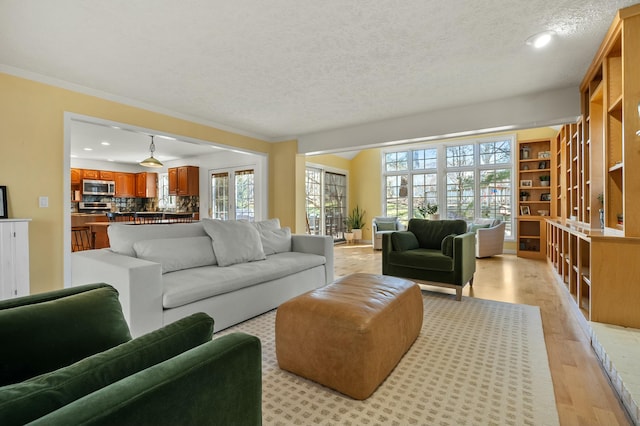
{"x":98,"y":187}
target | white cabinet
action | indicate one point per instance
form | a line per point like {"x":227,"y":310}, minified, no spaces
{"x":14,"y":258}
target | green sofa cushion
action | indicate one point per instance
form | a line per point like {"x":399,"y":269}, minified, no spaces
{"x":404,"y":240}
{"x":34,"y":398}
{"x":44,"y":335}
{"x":424,"y":259}
{"x":430,"y":233}
{"x":447,"y":245}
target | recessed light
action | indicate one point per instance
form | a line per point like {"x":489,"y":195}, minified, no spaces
{"x":105,"y":143}
{"x":88,"y":149}
{"x":542,"y":39}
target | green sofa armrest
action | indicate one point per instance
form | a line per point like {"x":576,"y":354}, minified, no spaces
{"x":217,"y":383}
{"x":464,"y":257}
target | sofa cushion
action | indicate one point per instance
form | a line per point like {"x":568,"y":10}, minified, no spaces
{"x":430,"y":233}
{"x":404,"y":240}
{"x":447,"y":245}
{"x":386,"y":226}
{"x":29,"y":400}
{"x":266,"y":225}
{"x":190,"y":285}
{"x":473,"y":227}
{"x":123,"y":236}
{"x":276,"y":240}
{"x":234,"y":241}
{"x":425,"y":259}
{"x":177,"y":253}
{"x":42,"y":337}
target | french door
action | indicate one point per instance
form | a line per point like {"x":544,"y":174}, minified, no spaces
{"x":233,"y":194}
{"x":326,"y":202}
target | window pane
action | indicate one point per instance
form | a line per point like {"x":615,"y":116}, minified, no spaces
{"x":313,"y":201}
{"x":495,"y":195}
{"x":460,"y":156}
{"x":220,"y":195}
{"x":165,"y":201}
{"x":495,"y":152}
{"x":396,"y":161}
{"x":335,"y":204}
{"x":425,"y":159}
{"x":397,"y":196}
{"x":425,"y":190}
{"x":460,"y":195}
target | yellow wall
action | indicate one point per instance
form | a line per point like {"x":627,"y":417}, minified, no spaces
{"x":282,"y":185}
{"x":32,"y":160}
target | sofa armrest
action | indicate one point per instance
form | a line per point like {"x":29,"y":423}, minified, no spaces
{"x":464,"y":257}
{"x":138,"y":281}
{"x":218,"y":382}
{"x":321,"y":245}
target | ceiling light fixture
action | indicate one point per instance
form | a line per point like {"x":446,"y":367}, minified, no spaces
{"x":151,"y":162}
{"x":542,"y":39}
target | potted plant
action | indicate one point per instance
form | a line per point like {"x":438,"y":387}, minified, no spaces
{"x":524,"y":195}
{"x":428,"y":211}
{"x":545,"y":180}
{"x":355,"y":223}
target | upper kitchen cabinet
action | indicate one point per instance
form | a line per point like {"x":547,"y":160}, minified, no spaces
{"x":76,"y":176}
{"x":184,"y":181}
{"x":125,"y":184}
{"x":90,"y":174}
{"x":146,"y":185}
{"x":107,"y":175}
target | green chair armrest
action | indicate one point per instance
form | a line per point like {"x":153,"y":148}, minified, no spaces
{"x":464,"y":257}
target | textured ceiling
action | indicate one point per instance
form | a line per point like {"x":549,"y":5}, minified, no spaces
{"x":285,"y":68}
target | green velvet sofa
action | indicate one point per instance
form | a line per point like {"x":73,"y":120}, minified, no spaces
{"x":67,"y":358}
{"x":439,"y":252}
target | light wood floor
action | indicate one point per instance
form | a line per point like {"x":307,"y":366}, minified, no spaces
{"x":583,"y":393}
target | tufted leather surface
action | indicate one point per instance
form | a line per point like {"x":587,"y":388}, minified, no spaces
{"x":349,"y":335}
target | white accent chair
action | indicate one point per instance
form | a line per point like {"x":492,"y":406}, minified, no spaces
{"x":384,"y":225}
{"x":489,"y":236}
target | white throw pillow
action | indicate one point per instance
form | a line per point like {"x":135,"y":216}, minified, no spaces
{"x":276,"y":240}
{"x":268,"y":224}
{"x":234,"y":241}
{"x":177,"y":253}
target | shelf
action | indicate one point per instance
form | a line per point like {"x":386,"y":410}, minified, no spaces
{"x":616,"y":105}
{"x":530,"y":237}
{"x":617,"y":166}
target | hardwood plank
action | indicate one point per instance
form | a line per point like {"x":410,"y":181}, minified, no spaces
{"x":584,"y":395}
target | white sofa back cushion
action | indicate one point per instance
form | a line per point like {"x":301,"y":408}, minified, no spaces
{"x":234,"y":241}
{"x":177,"y":253}
{"x":123,"y":236}
{"x":276,"y":240}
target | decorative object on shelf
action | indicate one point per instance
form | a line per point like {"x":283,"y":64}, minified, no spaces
{"x":524,"y":196}
{"x":525,"y":167}
{"x":601,"y":210}
{"x":3,"y":203}
{"x":430,"y":210}
{"x":543,"y":212}
{"x":620,"y":219}
{"x":525,"y":153}
{"x":542,"y":165}
{"x":545,"y":196}
{"x":544,"y":154}
{"x":151,"y":162}
{"x":526,"y":183}
{"x":525,"y":211}
{"x":545,"y":180}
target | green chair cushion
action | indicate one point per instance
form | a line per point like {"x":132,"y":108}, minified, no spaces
{"x":34,"y":398}
{"x":404,"y":240}
{"x":447,"y":245}
{"x":42,"y":336}
{"x":424,"y":259}
{"x":430,"y":233}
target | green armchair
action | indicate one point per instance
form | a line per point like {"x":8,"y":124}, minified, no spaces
{"x":68,"y":358}
{"x":440,"y":252}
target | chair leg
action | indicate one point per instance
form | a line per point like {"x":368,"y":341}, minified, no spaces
{"x":459,"y":293}
{"x":471,"y":281}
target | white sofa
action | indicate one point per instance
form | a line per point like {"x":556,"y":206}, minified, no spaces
{"x":230,"y":270}
{"x":384,"y":225}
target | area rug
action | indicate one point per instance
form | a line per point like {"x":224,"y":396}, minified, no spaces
{"x":476,"y":362}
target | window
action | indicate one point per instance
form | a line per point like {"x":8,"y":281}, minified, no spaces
{"x":165,"y":201}
{"x":233,"y":194}
{"x":326,"y":202}
{"x":466,"y":180}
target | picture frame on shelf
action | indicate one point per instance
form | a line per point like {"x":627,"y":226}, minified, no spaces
{"x":542,"y":164}
{"x":4,"y":214}
{"x":545,"y":196}
{"x":526,"y":183}
{"x":525,"y":211}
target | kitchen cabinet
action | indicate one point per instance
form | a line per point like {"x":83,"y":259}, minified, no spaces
{"x":106,"y":175}
{"x":90,"y":174}
{"x":76,"y":176}
{"x":184,"y":181}
{"x":125,"y":185}
{"x":146,"y":185}
{"x":14,"y":258}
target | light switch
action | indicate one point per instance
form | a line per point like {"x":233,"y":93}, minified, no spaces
{"x":43,"y":202}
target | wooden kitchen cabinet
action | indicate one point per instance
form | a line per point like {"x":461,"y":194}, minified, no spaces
{"x":107,"y":175}
{"x":90,"y":174}
{"x":76,"y":176}
{"x":125,"y":184}
{"x":146,"y":185}
{"x":184,"y":181}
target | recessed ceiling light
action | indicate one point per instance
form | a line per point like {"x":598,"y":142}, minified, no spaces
{"x":88,"y":149}
{"x":541,"y":39}
{"x":105,"y":143}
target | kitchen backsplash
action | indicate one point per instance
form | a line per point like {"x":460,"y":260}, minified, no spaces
{"x":183,"y":204}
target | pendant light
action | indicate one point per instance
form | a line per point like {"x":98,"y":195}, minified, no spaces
{"x":151,"y":162}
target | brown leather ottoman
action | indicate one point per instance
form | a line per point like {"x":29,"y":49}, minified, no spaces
{"x":349,"y":335}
